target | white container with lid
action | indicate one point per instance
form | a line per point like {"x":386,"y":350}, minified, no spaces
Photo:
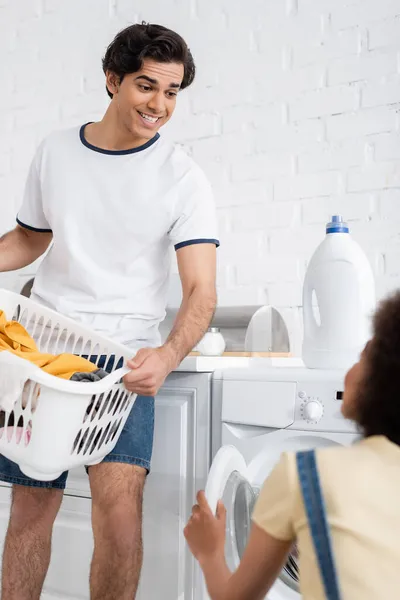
{"x":338,"y":301}
{"x":212,"y":344}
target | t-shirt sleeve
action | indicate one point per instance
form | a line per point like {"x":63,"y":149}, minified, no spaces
{"x":195,"y":221}
{"x":274,"y":509}
{"x":31,"y":214}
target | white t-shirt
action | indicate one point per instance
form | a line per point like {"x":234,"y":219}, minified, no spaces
{"x":114,"y":216}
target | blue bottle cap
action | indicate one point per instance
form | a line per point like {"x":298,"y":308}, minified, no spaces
{"x":337,"y":225}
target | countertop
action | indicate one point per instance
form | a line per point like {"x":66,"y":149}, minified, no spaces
{"x":209,"y":364}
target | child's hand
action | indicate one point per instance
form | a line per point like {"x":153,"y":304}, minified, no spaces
{"x":205,"y":533}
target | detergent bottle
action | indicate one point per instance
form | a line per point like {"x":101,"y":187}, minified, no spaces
{"x":338,"y":301}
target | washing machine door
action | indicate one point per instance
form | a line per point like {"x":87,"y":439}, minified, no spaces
{"x":229,"y":481}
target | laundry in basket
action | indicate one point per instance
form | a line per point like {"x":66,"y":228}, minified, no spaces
{"x":15,"y":339}
{"x":57,"y":424}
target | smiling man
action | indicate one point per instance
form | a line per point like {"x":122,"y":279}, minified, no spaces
{"x":110,"y":198}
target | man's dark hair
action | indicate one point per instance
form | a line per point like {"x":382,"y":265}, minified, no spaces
{"x":133,"y":44}
{"x":378,"y":407}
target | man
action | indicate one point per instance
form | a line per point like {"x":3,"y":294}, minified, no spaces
{"x":107,"y":200}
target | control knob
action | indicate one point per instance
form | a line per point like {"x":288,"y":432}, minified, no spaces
{"x":313,"y":410}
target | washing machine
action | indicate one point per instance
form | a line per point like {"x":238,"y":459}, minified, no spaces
{"x":257,"y":415}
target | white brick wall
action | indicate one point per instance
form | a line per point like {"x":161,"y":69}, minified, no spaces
{"x":294,"y":115}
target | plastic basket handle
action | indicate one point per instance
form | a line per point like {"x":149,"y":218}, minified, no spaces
{"x":24,"y":370}
{"x":14,"y":372}
{"x":80,"y":387}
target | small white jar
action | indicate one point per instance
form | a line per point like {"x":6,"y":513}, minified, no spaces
{"x":212,"y":344}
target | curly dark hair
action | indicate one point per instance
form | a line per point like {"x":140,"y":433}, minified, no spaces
{"x":378,"y":408}
{"x":133,"y":44}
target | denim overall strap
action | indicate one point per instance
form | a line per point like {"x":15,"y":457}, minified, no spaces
{"x":316,"y":515}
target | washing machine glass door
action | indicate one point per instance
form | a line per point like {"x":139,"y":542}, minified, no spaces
{"x":228,"y":482}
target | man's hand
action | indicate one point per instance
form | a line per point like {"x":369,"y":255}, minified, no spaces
{"x":205,"y":533}
{"x":150,"y":367}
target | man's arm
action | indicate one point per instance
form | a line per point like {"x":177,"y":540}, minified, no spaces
{"x":197,"y":270}
{"x":21,"y":247}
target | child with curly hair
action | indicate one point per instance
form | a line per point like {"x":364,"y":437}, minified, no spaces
{"x":352,"y":552}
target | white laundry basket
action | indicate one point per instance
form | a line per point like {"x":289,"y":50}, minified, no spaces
{"x":58,"y":424}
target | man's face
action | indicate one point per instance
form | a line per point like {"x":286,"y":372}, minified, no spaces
{"x":146,"y":99}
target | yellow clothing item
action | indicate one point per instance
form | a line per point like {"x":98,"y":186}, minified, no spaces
{"x":15,"y":339}
{"x":361,"y":488}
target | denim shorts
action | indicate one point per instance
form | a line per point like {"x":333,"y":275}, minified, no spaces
{"x":134,"y":446}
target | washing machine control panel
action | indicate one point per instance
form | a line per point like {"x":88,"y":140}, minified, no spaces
{"x":318,"y":406}
{"x":289,"y":398}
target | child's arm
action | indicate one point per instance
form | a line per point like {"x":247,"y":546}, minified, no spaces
{"x":262,"y":561}
{"x":261,"y":564}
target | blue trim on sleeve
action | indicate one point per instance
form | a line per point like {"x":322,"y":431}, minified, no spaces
{"x":198,"y":241}
{"x":25,"y":226}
